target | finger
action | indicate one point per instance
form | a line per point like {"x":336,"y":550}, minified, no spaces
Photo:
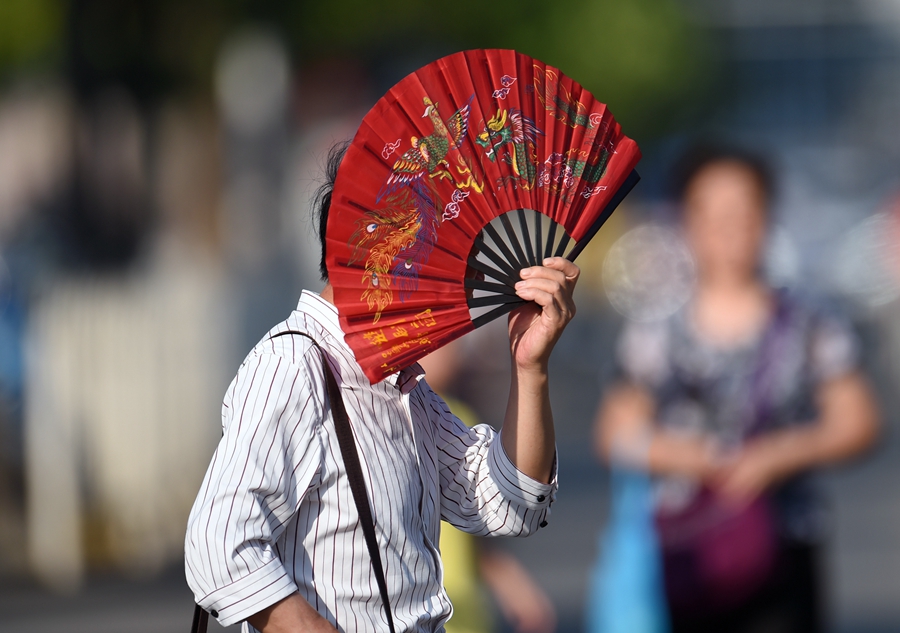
{"x":548,"y":285}
{"x":540,"y":296}
{"x":551,"y":305}
{"x":569,"y":269}
{"x":544,"y":272}
{"x":552,"y":282}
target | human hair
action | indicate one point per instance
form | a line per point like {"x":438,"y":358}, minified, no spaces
{"x":321,"y":201}
{"x":702,"y":155}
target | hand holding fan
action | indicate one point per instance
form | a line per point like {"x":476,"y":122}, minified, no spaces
{"x":485,"y":161}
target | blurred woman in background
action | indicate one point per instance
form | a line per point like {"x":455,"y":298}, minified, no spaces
{"x":730,"y":404}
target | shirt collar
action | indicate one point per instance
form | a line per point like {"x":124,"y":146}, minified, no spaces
{"x":326,"y":315}
{"x":406,"y":379}
{"x":323,"y":312}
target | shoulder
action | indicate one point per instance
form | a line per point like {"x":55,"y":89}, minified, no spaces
{"x":833,"y":344}
{"x":643,"y":350}
{"x":286,"y":357}
{"x":299,"y":341}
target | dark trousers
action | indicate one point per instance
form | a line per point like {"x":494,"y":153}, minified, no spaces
{"x":791,"y":602}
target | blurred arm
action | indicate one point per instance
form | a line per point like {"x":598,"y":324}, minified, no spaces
{"x":624,"y":432}
{"x":847,"y":425}
{"x":522,"y":602}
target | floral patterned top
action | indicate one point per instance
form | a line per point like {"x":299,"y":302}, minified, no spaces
{"x":732,"y":394}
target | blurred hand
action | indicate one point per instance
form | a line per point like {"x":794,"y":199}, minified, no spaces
{"x":535,"y":327}
{"x":747,"y":474}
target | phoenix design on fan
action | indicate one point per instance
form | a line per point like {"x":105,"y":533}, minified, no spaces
{"x":396,"y":240}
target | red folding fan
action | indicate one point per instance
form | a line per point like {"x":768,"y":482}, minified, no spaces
{"x":485,"y":161}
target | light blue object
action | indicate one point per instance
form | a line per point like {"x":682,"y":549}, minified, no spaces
{"x":626,"y":592}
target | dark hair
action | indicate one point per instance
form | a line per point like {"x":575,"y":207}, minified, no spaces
{"x":321,"y":202}
{"x":701,"y":156}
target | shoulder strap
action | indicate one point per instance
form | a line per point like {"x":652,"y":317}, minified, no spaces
{"x":350,"y":455}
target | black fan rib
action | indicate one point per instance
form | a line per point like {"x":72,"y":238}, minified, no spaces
{"x":509,"y":264}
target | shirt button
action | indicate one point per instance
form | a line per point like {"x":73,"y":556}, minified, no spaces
{"x":543,"y":524}
{"x":214,"y":613}
{"x":541,"y":497}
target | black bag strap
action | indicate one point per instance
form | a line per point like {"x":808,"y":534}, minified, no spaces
{"x":350,"y":455}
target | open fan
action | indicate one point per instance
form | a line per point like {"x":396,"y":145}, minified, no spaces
{"x":482,"y":162}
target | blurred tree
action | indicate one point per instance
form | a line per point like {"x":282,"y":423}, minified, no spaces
{"x":643,"y":57}
{"x":30,"y":34}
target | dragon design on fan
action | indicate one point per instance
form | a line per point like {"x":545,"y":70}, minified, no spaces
{"x":512,"y":127}
{"x":395,"y":241}
{"x":559,"y":101}
{"x":560,"y":172}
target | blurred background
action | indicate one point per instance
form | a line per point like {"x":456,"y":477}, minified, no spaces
{"x":157,"y":158}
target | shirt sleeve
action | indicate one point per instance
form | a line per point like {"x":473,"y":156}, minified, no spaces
{"x":269,"y":456}
{"x":482,"y":491}
{"x":834,"y":348}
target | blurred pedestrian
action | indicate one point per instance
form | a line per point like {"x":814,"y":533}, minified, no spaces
{"x":730,"y":404}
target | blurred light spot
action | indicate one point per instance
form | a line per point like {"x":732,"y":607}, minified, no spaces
{"x":649,"y":273}
{"x":781,"y":259}
{"x":866,"y":259}
{"x":252,"y":81}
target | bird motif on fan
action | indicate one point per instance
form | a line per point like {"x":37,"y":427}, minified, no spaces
{"x":395,"y":242}
{"x":398,"y":238}
{"x":428,"y":155}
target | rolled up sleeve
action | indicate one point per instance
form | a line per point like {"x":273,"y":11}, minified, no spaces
{"x":268,"y":458}
{"x":482,"y":491}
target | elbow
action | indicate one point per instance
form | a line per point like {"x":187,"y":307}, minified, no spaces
{"x":868,"y":431}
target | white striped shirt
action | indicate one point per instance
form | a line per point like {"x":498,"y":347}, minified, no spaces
{"x":275,"y":514}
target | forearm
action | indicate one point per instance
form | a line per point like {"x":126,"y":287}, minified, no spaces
{"x":625,"y":434}
{"x":528,"y":436}
{"x":848,"y":424}
{"x":670,"y":454}
{"x":290,"y":615}
{"x":792,"y":451}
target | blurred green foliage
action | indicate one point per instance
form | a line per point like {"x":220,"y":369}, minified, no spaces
{"x":31,"y":33}
{"x":642,"y":57}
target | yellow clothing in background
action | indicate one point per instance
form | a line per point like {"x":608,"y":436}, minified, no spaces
{"x":459,"y":552}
